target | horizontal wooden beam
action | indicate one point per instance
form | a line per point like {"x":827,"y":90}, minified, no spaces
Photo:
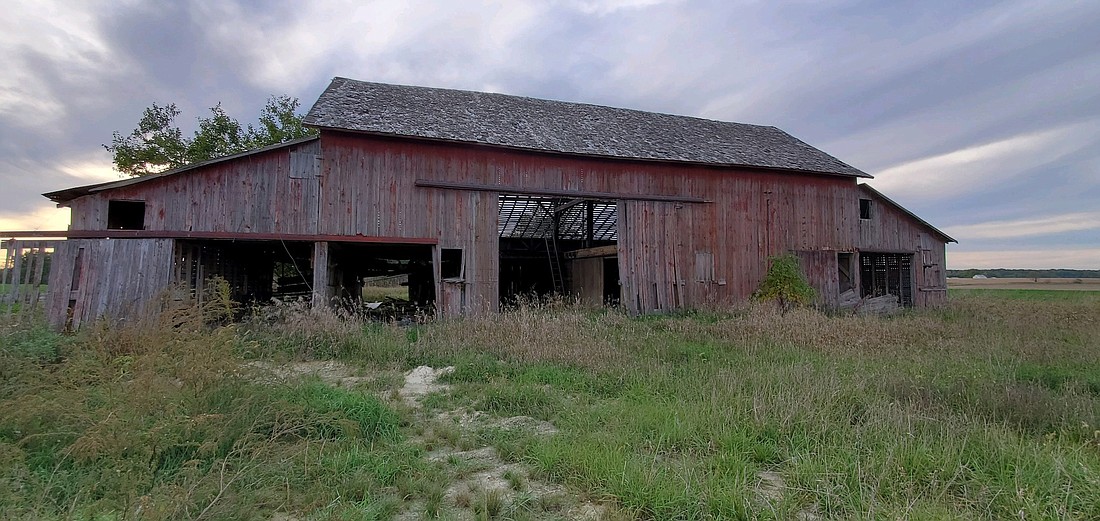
{"x":25,"y":243}
{"x":233,"y":236}
{"x":598,"y":251}
{"x":34,"y":234}
{"x":474,"y":187}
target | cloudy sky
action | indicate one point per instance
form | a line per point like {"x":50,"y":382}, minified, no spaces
{"x":982,"y":117}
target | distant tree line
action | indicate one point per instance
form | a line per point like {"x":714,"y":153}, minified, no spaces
{"x":1003,"y":273}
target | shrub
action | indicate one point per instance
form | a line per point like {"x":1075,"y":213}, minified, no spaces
{"x":785,"y":284}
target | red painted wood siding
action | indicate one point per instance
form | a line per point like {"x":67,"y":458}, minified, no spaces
{"x":251,"y":194}
{"x":366,"y":187}
{"x":892,"y":230}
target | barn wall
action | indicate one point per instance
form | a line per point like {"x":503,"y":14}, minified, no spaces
{"x":892,"y":230}
{"x":269,"y":192}
{"x":587,"y":280}
{"x":672,"y":255}
{"x":114,"y":279}
{"x":367,"y":188}
{"x":820,"y":268}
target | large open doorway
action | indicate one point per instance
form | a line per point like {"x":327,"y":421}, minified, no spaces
{"x":558,"y":246}
{"x":255,"y":271}
{"x":887,"y":274}
{"x":392,"y":280}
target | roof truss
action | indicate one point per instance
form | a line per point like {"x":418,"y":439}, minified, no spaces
{"x":533,"y":217}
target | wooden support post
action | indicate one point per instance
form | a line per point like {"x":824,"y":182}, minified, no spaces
{"x":17,"y":272}
{"x":590,"y":226}
{"x":8,"y":275}
{"x":320,"y":275}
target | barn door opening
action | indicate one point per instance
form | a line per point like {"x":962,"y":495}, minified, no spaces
{"x":558,"y":245}
{"x":381,"y":279}
{"x":255,"y":271}
{"x":887,"y":274}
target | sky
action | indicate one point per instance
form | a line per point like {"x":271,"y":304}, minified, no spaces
{"x":982,"y":117}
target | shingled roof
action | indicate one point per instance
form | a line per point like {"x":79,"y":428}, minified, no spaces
{"x":562,"y":127}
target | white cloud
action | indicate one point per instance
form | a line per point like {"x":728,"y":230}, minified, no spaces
{"x":89,"y":169}
{"x":605,"y":7}
{"x":1069,"y":222}
{"x":65,"y":33}
{"x":973,"y":168}
{"x":345,"y":37}
{"x":45,"y":217}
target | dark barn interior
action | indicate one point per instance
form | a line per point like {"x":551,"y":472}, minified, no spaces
{"x":540,"y":235}
{"x":260,"y":271}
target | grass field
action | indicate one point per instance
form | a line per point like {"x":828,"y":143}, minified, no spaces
{"x":988,"y":408}
{"x":1045,"y":284}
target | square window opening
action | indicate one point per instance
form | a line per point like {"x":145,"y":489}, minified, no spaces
{"x":125,"y":215}
{"x":450,"y":263}
{"x":864,"y":208}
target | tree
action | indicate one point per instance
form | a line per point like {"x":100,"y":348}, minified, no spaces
{"x":157,"y":144}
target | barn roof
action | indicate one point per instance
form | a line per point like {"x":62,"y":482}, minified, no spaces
{"x":562,"y":127}
{"x":69,"y":194}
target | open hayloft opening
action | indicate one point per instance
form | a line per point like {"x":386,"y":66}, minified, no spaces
{"x":887,"y":274}
{"x":125,"y":215}
{"x":557,"y":245}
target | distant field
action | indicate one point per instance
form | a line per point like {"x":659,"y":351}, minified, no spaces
{"x":1026,"y":294}
{"x":1026,"y":284}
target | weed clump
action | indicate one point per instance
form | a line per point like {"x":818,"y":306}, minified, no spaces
{"x":785,"y":284}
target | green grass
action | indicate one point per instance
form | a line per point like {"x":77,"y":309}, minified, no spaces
{"x":984,"y":409}
{"x":1075,"y":295}
{"x":377,"y":293}
{"x":987,"y":408}
{"x":163,"y":421}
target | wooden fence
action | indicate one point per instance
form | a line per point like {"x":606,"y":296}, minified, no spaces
{"x":23,"y":276}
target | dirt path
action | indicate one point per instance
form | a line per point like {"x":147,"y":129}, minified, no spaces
{"x":480,"y":484}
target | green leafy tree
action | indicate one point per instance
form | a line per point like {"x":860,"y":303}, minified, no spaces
{"x":158,"y":144}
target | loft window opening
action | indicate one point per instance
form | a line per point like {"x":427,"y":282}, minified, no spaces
{"x":864,"y":209}
{"x":450,"y":263}
{"x":125,"y":215}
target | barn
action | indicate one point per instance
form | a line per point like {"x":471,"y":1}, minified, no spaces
{"x":478,"y":199}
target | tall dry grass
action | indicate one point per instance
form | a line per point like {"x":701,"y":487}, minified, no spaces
{"x":987,"y":408}
{"x":160,"y":418}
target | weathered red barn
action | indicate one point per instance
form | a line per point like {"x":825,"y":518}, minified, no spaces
{"x":479,"y":197}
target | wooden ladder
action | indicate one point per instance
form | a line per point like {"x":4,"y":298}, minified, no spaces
{"x":555,"y":265}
